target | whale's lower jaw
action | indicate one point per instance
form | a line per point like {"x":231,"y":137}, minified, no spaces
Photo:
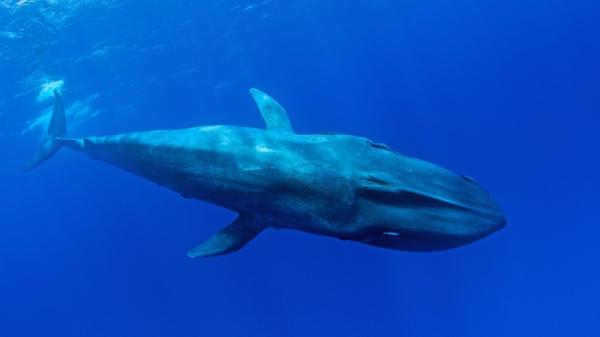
{"x":422,"y":244}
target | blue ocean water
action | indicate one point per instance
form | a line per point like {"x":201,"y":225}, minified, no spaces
{"x":503,"y":91}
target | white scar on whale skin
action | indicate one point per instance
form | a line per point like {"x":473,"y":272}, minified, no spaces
{"x":210,"y":128}
{"x":341,"y":186}
{"x":263,"y":149}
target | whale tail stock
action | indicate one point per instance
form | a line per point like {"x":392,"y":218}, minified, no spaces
{"x":57,"y":128}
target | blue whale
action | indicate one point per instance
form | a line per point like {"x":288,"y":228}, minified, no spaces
{"x":336,"y":185}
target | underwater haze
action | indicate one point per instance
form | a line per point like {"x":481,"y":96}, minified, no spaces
{"x":506,"y":92}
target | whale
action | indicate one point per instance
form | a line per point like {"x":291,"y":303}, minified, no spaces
{"x":336,"y":185}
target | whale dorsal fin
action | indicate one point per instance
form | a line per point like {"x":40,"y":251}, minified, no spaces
{"x":272,"y":112}
{"x":229,"y":239}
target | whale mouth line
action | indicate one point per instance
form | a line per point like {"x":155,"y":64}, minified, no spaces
{"x":414,"y":243}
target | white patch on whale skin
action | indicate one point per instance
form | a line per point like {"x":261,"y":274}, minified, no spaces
{"x":210,"y":128}
{"x":225,"y":140}
{"x":263,"y":149}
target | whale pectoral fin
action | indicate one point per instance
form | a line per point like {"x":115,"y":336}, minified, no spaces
{"x":228,"y":239}
{"x":272,"y":112}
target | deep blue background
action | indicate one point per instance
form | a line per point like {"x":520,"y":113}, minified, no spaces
{"x":504,"y":91}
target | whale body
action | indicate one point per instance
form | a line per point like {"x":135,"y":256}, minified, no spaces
{"x":335,"y":185}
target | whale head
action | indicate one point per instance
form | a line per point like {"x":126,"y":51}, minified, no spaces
{"x":423,"y":207}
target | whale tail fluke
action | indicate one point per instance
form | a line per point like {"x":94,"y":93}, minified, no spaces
{"x":57,"y":128}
